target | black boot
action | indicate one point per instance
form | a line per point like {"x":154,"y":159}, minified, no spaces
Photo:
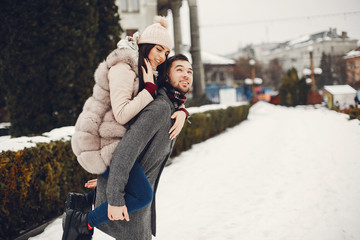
{"x":76,"y":226}
{"x":79,"y":201}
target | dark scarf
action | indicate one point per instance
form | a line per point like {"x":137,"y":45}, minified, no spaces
{"x":175,"y":96}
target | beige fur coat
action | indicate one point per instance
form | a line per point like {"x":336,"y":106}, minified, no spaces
{"x":115,"y":101}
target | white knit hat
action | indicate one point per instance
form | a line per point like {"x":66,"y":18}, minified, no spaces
{"x":157,"y":33}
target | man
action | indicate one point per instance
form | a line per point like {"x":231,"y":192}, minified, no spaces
{"x":147,"y":142}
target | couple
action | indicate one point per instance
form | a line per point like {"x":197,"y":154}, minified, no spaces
{"x":144,"y":87}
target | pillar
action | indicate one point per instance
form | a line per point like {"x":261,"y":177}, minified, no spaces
{"x":175,"y":9}
{"x":195,"y":50}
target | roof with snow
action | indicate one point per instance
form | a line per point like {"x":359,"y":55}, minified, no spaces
{"x":353,"y":54}
{"x":340,"y":89}
{"x":210,"y":58}
{"x":331,"y":34}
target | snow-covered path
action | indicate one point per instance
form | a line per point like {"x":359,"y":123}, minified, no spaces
{"x":285,"y":173}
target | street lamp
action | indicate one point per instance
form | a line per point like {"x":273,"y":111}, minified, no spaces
{"x":313,"y":86}
{"x":307,"y":74}
{"x":252,"y":65}
{"x":313,"y":97}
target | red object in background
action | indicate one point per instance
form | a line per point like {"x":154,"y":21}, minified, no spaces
{"x":314,"y":98}
{"x":275,"y":99}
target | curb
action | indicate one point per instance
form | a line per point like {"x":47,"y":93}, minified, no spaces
{"x":35,"y":231}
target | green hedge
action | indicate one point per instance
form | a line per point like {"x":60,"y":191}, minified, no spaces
{"x":35,"y":181}
{"x":207,"y":124}
{"x":354,"y":113}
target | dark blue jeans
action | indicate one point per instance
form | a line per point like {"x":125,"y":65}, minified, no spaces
{"x":138,"y":194}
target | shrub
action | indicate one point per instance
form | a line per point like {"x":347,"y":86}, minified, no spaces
{"x":48,"y":53}
{"x":208,"y":124}
{"x":34,"y":183}
{"x":354,"y":113}
{"x":293,"y":91}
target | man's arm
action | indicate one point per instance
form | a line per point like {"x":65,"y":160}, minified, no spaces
{"x":131,"y":146}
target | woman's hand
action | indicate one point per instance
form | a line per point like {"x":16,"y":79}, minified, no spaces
{"x":118,"y":213}
{"x":180,"y":117}
{"x":91,"y":183}
{"x":149,"y":75}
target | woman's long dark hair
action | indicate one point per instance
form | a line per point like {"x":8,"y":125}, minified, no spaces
{"x":144,"y":50}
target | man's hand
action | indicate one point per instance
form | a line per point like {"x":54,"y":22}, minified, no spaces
{"x":91,"y":183}
{"x":118,"y":213}
{"x":180,"y":117}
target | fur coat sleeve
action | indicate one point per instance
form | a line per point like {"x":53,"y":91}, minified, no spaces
{"x":125,"y":102}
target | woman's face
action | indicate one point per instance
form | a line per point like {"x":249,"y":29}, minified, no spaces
{"x":157,"y":55}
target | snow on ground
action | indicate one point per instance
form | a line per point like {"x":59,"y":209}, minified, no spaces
{"x":65,"y":133}
{"x":19,"y":143}
{"x":5,"y":125}
{"x":285,"y":173}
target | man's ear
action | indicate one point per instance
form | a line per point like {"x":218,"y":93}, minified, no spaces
{"x":167,"y":78}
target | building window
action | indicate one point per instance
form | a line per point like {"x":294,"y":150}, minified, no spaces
{"x":213,"y":77}
{"x":135,"y":5}
{"x":352,"y":65}
{"x":222,"y":76}
{"x":130,"y":32}
{"x":124,"y":5}
{"x":130,"y":6}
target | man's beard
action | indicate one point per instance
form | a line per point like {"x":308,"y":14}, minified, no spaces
{"x":182,"y":92}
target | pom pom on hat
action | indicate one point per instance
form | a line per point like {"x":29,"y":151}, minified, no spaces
{"x":162,"y":20}
{"x":157,"y":33}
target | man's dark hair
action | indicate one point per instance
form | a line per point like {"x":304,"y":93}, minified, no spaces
{"x":169,"y":62}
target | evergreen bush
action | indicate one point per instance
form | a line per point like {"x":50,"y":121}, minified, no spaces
{"x":48,"y":55}
{"x":34,"y":185}
{"x":208,"y":124}
{"x":354,"y":113}
{"x":293,"y":91}
{"x":109,"y":29}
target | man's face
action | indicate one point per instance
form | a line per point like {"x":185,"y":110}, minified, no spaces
{"x":180,"y":75}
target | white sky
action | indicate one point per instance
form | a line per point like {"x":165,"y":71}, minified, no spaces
{"x":227,"y":25}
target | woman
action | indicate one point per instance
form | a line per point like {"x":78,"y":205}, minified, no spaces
{"x":118,"y":96}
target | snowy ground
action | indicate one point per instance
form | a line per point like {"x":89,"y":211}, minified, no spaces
{"x":284,"y":174}
{"x":65,"y":133}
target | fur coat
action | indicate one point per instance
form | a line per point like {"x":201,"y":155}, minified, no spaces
{"x":115,"y":100}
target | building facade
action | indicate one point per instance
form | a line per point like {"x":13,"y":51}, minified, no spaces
{"x":136,"y":15}
{"x":353,"y":68}
{"x":218,"y":70}
{"x":295,"y":53}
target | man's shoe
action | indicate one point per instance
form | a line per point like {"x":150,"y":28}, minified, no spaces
{"x":76,"y":226}
{"x":79,"y":201}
